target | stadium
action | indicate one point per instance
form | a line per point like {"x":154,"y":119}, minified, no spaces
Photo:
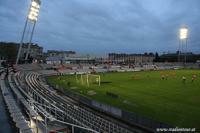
{"x":90,"y":66}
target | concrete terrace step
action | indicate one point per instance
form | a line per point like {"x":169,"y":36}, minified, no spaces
{"x":14,"y":110}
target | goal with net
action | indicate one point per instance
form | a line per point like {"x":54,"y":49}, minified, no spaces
{"x":88,"y":79}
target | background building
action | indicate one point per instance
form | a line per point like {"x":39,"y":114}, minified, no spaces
{"x":118,"y":58}
{"x":179,"y":57}
{"x":56,"y":53}
{"x":67,"y":57}
{"x":36,"y":51}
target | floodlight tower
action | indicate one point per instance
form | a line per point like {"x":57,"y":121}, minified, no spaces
{"x":31,"y":21}
{"x":183,"y":36}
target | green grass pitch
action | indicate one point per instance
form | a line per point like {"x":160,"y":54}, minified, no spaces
{"x":170,"y":100}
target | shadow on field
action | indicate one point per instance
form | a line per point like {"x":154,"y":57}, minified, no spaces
{"x":106,"y":82}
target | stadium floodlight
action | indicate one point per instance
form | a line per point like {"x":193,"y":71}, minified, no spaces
{"x":34,"y":10}
{"x":183,"y":33}
{"x":30,"y":20}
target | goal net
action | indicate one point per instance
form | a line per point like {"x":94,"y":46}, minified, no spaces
{"x":88,"y":79}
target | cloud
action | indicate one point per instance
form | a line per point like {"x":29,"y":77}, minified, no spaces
{"x":93,"y":26}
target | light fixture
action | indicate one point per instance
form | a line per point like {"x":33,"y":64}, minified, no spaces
{"x":34,"y":10}
{"x":183,"y":33}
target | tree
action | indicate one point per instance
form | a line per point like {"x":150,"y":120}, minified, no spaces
{"x":151,"y":54}
{"x":156,"y":57}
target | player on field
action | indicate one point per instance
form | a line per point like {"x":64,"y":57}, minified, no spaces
{"x":184,"y":79}
{"x":163,"y":77}
{"x":194,"y":77}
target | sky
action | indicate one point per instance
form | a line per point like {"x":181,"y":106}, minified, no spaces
{"x":103,"y":26}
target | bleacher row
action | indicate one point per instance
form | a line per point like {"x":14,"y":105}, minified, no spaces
{"x":80,"y":114}
{"x":13,"y":109}
{"x":41,"y":105}
{"x":19,"y":95}
{"x":44,"y":95}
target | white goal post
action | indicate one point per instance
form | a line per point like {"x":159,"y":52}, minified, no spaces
{"x":88,"y":79}
{"x":93,"y":77}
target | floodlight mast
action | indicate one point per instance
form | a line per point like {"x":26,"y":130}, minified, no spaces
{"x":183,"y":36}
{"x":31,"y":19}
